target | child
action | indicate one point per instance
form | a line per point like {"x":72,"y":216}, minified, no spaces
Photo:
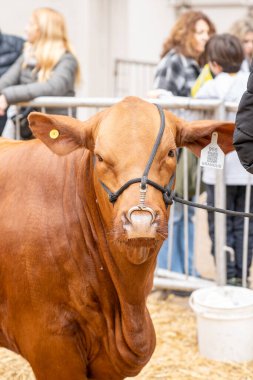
{"x":225,"y":55}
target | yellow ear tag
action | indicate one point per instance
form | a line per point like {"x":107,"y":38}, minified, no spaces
{"x":54,"y":134}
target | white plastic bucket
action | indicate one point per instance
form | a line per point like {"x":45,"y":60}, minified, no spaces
{"x":224,"y":322}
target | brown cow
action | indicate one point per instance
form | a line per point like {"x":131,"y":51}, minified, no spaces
{"x":76,"y":269}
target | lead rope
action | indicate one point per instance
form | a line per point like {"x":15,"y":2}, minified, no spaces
{"x":168,"y":194}
{"x":174,"y":197}
{"x":210,"y":208}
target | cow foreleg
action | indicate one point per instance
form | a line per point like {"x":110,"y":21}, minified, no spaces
{"x":57,"y":358}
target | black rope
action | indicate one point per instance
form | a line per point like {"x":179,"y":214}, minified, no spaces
{"x":155,"y":147}
{"x":211,"y":208}
{"x":169,"y":196}
{"x":167,"y":193}
{"x":144,"y":179}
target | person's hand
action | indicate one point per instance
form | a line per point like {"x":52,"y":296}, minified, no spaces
{"x":3,"y":104}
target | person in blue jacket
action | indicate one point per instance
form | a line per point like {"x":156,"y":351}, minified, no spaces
{"x":10,"y":49}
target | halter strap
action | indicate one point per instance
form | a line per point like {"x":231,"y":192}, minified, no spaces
{"x":167,"y":193}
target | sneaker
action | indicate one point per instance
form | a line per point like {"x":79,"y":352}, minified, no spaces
{"x":234,"y":281}
{"x":237,"y":281}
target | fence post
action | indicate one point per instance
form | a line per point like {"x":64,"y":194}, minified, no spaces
{"x":220,"y":219}
{"x":246,"y":233}
{"x":17,"y":125}
{"x":185,"y":208}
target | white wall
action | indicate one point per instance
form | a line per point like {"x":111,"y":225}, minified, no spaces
{"x":151,"y":20}
{"x":149,"y":23}
{"x":102,"y":30}
{"x":224,"y":16}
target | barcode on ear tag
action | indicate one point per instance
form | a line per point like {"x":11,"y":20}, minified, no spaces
{"x":212,"y":156}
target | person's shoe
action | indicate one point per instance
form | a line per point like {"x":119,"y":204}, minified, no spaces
{"x":163,"y":294}
{"x":182,"y":293}
{"x":234,"y":281}
{"x":237,"y":281}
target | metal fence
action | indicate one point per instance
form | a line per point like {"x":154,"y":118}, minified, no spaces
{"x":133,"y":77}
{"x":189,"y":109}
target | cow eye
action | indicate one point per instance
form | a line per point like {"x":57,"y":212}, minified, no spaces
{"x":171,"y":153}
{"x":99,"y":158}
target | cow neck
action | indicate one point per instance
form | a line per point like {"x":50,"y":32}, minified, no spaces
{"x":121,"y":287}
{"x":111,"y":255}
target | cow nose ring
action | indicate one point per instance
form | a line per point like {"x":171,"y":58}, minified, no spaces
{"x":141,"y":206}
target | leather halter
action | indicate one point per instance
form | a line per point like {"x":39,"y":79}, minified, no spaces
{"x":144,"y":181}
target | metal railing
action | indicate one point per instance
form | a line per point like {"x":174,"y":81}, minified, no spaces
{"x":189,"y":109}
{"x":133,"y":77}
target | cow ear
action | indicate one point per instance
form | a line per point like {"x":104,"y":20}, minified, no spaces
{"x":196,"y":135}
{"x":63,"y":134}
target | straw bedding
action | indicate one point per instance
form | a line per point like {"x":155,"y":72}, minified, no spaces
{"x":176,"y":356}
{"x":14,"y":367}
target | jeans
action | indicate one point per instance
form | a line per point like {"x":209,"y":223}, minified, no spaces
{"x":235,"y":196}
{"x":178,"y":252}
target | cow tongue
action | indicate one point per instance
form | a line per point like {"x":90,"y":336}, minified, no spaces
{"x":138,"y":255}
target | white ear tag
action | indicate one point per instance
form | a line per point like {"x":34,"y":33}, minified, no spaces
{"x":212,"y":156}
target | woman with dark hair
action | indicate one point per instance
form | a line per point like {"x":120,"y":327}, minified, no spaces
{"x":182,"y":53}
{"x":182,"y":56}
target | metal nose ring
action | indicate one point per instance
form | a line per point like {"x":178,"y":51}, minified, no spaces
{"x":141,"y":208}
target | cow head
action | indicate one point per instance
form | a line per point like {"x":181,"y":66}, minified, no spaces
{"x":121,"y":139}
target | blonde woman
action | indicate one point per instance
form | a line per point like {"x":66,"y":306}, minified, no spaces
{"x":47,"y":66}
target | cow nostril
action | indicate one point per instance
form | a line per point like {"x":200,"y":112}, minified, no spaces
{"x":157,"y":217}
{"x":125,"y":218}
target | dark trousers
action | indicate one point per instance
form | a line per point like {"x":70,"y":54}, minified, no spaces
{"x":235,"y":200}
{"x":3,"y":120}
